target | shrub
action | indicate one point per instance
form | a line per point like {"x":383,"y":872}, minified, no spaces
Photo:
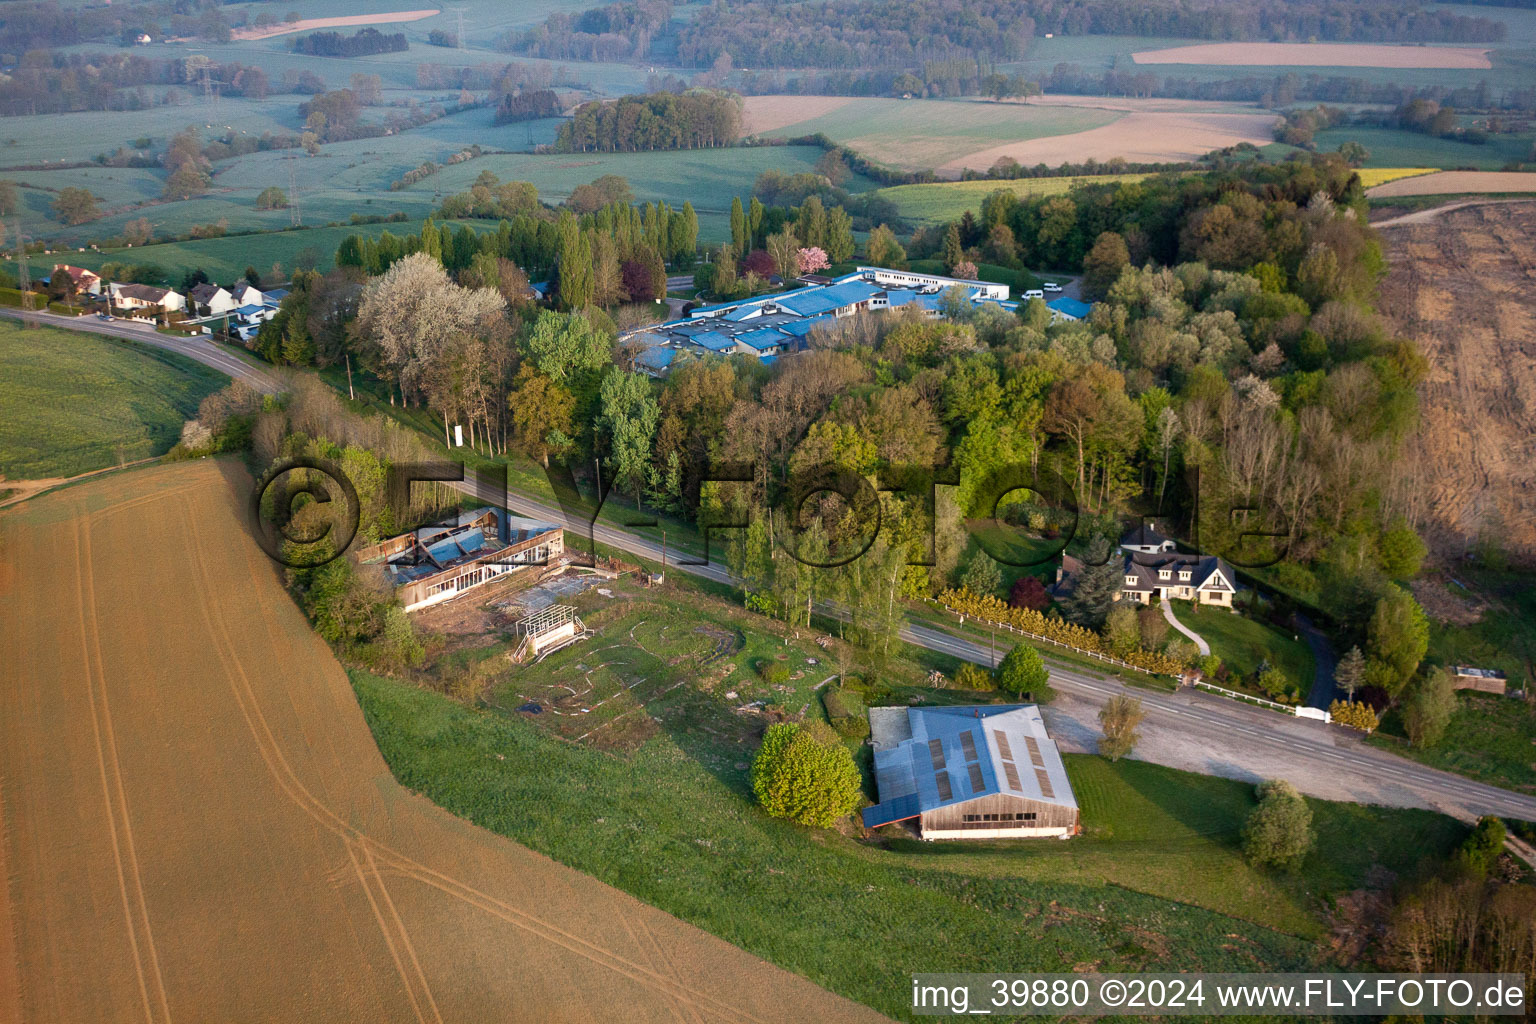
{"x":795,"y":777}
{"x":1023,"y":671}
{"x":1278,"y":832}
{"x":842,"y":703}
{"x":1354,"y":715}
{"x":1029,"y":592}
{"x":773,"y":672}
{"x":1483,"y":846}
{"x":1428,"y":708}
{"x":972,"y":677}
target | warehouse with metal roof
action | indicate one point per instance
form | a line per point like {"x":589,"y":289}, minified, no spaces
{"x":981,"y":772}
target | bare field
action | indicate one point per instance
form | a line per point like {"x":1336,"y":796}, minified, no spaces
{"x":1319,"y":55}
{"x":1452,"y":182}
{"x":1141,"y":136}
{"x":195,"y":822}
{"x":345,"y":21}
{"x":1463,"y":286}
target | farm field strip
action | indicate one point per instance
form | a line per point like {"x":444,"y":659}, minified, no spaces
{"x":391,"y":909}
{"x":1453,"y":182}
{"x":943,"y":201}
{"x":1323,"y":55}
{"x":342,"y":21}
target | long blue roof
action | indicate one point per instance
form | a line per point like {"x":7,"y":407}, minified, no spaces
{"x":824,"y":300}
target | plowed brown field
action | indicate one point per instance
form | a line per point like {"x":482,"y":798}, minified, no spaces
{"x":1463,"y":286}
{"x":195,"y":824}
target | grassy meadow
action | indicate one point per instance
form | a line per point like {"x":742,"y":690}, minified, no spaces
{"x":72,"y":402}
{"x":1490,"y":738}
{"x":661,"y":808}
{"x":936,"y":202}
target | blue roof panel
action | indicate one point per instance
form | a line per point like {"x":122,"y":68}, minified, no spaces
{"x":763,"y":338}
{"x":1075,"y":308}
{"x":714,"y":341}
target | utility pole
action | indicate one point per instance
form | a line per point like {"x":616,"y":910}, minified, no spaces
{"x":23,"y":276}
{"x":294,"y":217}
{"x":350,"y":393}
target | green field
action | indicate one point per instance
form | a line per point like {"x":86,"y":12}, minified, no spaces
{"x":1243,"y":643}
{"x":936,"y":202}
{"x":1393,"y":147}
{"x":671,"y":821}
{"x":924,"y":134}
{"x":72,"y":402}
{"x":1490,"y":738}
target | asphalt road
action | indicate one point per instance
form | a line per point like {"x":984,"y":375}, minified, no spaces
{"x":1305,"y":748}
{"x":202,"y":350}
{"x":1308,"y":748}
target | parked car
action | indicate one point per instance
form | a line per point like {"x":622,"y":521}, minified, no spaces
{"x":1034,"y":293}
{"x":1052,"y":286}
{"x":105,"y":316}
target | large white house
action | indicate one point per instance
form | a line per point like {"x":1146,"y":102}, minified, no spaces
{"x":1154,"y":568}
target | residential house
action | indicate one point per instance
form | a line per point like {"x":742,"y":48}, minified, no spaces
{"x":148,"y":298}
{"x":1155,"y":568}
{"x":984,"y":772}
{"x":87,"y":282}
{"x":211,"y":300}
{"x":246,"y":294}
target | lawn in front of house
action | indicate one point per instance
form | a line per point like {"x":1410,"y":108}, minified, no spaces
{"x":1243,"y":644}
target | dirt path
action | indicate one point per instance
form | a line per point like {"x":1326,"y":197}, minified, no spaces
{"x":1425,"y":216}
{"x":194,"y":807}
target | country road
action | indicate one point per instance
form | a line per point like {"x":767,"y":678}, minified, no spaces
{"x":203,"y":350}
{"x":1185,"y":729}
{"x":1424,"y":216}
{"x":1241,"y":741}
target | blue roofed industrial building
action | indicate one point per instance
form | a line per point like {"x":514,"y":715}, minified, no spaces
{"x":768,"y":326}
{"x":982,"y":772}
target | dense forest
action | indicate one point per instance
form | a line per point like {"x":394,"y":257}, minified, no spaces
{"x":603,"y":33}
{"x":867,"y":33}
{"x":50,"y":83}
{"x":695,"y":119}
{"x":362,"y":43}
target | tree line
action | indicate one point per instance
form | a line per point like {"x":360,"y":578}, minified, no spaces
{"x":875,"y":33}
{"x":696,"y":119}
{"x":527,"y":105}
{"x":363,"y":42}
{"x":611,"y":32}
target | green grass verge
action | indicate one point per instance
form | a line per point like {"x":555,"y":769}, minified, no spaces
{"x":1490,"y":738}
{"x":76,"y":402}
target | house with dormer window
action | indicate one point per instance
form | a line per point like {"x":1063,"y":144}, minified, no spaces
{"x":1155,"y":568}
